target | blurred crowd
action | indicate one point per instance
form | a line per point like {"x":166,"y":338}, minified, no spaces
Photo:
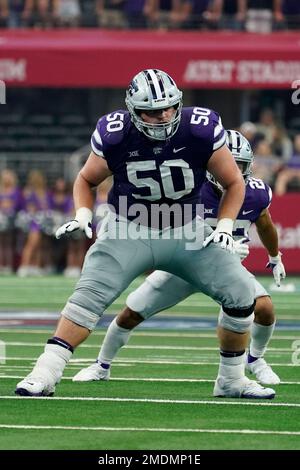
{"x":277,"y":154}
{"x":29,"y":216}
{"x":260,"y":16}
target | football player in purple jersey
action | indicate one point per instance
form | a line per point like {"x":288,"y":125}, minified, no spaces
{"x":158,"y":154}
{"x":162,"y":290}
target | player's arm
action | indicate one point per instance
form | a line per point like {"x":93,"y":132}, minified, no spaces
{"x":223,"y":167}
{"x":94,"y":172}
{"x":267,"y":232}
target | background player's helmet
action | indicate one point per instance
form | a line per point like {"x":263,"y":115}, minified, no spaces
{"x":150,"y":90}
{"x":242,"y":153}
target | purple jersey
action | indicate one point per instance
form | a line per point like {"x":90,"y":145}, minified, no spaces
{"x":134,"y":6}
{"x":62,"y":204}
{"x":257,"y":198}
{"x":11,"y":201}
{"x":148,"y":171}
{"x":35,"y":202}
{"x":36,"y":206}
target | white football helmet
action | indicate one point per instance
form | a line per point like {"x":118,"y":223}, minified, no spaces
{"x":154,"y":89}
{"x":242,"y":153}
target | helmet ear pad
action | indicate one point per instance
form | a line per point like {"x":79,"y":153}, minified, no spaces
{"x":152,"y":90}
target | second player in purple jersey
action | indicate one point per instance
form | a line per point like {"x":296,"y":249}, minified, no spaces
{"x":257,"y":198}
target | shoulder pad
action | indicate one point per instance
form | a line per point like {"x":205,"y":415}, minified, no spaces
{"x":263,"y":192}
{"x":206,"y":123}
{"x":113,"y":127}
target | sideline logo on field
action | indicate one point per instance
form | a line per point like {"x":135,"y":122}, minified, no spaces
{"x":2,"y":352}
{"x":296,"y":353}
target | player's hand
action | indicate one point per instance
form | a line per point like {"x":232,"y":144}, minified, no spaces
{"x":241,"y":248}
{"x":277,"y":267}
{"x":222,"y":235}
{"x":83,"y":221}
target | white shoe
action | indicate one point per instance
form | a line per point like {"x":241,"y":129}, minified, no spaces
{"x":263,"y":372}
{"x":93,"y":372}
{"x":72,"y":272}
{"x":23,"y":271}
{"x":33,"y":386}
{"x":241,"y":388}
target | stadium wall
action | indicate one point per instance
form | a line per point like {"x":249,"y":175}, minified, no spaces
{"x":102,"y":58}
{"x":285,"y":214}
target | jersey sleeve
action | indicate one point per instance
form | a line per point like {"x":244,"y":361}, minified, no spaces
{"x":269,"y":195}
{"x":219,"y":136}
{"x":207,"y":128}
{"x":263,"y":194}
{"x":96,"y":140}
{"x":110,"y":132}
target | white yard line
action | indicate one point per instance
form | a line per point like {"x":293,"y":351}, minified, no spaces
{"x":124,"y":361}
{"x":156,"y":400}
{"x":142,"y":379}
{"x":154,"y":334}
{"x":168,"y":430}
{"x":145,"y":347}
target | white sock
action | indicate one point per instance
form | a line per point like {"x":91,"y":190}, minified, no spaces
{"x":260,"y":337}
{"x":115,"y":338}
{"x":50,"y":365}
{"x":232,"y":368}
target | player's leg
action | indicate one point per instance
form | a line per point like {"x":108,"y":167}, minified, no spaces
{"x":117,"y":335}
{"x":49,"y":367}
{"x":109,"y":267}
{"x":261,"y":333}
{"x":220,"y":275}
{"x":159,"y":291}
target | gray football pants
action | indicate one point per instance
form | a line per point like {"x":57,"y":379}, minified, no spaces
{"x":111,"y":264}
{"x":162,"y":290}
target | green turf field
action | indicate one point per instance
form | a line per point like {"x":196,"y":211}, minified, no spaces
{"x":50,"y":294}
{"x":160,"y":393}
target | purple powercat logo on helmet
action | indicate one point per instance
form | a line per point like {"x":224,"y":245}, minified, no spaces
{"x":133,"y":87}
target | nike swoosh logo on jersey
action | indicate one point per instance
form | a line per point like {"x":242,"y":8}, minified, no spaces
{"x":178,"y":150}
{"x":247,"y":212}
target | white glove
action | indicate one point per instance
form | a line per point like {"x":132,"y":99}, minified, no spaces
{"x":83,"y":221}
{"x":277,"y":267}
{"x":222,"y":235}
{"x":241,"y":248}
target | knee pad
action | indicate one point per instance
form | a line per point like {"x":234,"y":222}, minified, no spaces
{"x":80,"y":316}
{"x":237,"y":320}
{"x":140,"y":298}
{"x":147,"y":298}
{"x":136,"y":302}
{"x":158,"y":278}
